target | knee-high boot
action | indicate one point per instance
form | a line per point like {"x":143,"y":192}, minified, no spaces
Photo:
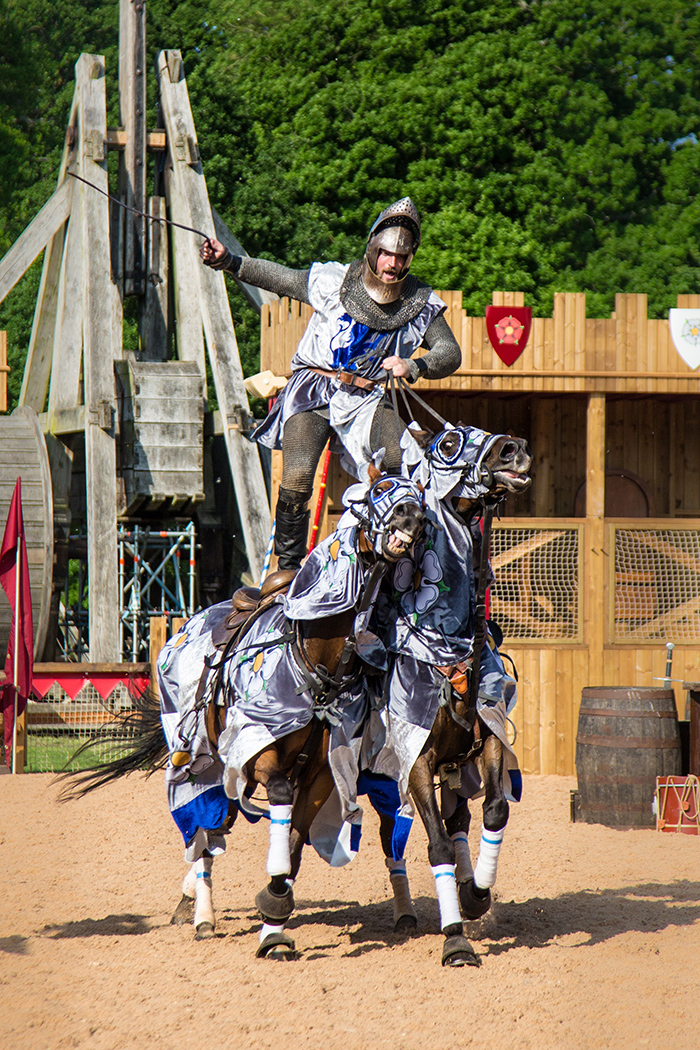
{"x":291,"y":529}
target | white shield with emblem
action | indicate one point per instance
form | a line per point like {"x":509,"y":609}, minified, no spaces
{"x":685,"y":332}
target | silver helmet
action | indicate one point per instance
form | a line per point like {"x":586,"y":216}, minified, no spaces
{"x":396,"y":230}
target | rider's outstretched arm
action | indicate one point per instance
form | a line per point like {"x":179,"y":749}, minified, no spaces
{"x":261,"y":273}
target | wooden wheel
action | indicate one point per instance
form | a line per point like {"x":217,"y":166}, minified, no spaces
{"x":23,"y":454}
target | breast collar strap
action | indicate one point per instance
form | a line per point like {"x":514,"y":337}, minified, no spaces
{"x":324,"y":687}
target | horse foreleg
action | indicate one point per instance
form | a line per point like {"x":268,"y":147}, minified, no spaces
{"x":405,"y":918}
{"x":276,"y":901}
{"x":475,"y":895}
{"x":457,"y":951}
{"x":204,"y":921}
{"x":184,"y":913}
{"x":458,"y":829}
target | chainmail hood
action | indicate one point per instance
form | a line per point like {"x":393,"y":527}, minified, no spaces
{"x":387,"y":318}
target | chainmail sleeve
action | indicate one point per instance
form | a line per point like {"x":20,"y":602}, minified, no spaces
{"x":271,"y":276}
{"x":444,"y":353}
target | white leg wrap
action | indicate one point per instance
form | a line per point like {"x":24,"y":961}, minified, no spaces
{"x":462,"y":856}
{"x":486,"y":865}
{"x":203,"y":905}
{"x":189,"y":883}
{"x":278,"y":858}
{"x":446,"y":885}
{"x":268,"y":928}
{"x":403,"y":905}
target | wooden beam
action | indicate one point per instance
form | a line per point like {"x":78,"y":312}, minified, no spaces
{"x":545,"y":418}
{"x":66,"y":421}
{"x":4,"y":369}
{"x":37,"y":366}
{"x":156,"y":141}
{"x":101,"y":345}
{"x":596,"y":557}
{"x":255,"y":296}
{"x":35,"y":237}
{"x":153,"y":321}
{"x":132,"y":161}
{"x":66,"y":362}
{"x":189,"y":192}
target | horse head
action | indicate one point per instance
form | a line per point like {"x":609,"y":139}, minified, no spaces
{"x":465,"y":465}
{"x":391,"y":513}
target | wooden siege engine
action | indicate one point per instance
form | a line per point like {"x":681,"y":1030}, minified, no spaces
{"x":126,"y":437}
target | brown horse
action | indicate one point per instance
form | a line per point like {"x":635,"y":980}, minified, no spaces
{"x":471,"y":469}
{"x":294,"y":768}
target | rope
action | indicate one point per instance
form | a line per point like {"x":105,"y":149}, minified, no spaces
{"x":690,"y":791}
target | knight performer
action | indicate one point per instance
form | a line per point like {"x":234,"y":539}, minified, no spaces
{"x":370,"y":317}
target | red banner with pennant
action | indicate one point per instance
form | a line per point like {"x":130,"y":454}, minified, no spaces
{"x":508,"y":329}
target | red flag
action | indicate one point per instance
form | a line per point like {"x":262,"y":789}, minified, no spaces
{"x":18,"y":671}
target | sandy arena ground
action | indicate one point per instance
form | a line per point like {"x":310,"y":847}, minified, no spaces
{"x":593,"y":941}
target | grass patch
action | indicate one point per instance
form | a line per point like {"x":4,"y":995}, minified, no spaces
{"x":54,"y":752}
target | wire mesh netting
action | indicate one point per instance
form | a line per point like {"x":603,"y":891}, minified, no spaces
{"x":657,"y":584}
{"x":536,"y":593}
{"x":57,"y":726}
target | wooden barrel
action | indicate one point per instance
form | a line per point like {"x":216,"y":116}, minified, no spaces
{"x":626,"y":738}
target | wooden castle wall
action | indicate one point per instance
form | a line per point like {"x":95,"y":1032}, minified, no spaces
{"x":648,"y":424}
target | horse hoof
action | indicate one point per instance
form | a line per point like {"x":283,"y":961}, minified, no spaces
{"x":273,"y":909}
{"x":406,"y":924}
{"x":184,"y":913}
{"x":457,"y":951}
{"x":278,"y":946}
{"x":204,"y":931}
{"x":473,"y":906}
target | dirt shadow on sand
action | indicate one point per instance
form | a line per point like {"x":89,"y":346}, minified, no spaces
{"x":110,"y":926}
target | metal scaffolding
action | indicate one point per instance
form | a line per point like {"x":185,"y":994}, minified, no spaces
{"x":153,"y":582}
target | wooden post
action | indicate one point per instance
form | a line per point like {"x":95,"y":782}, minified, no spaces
{"x":4,"y":369}
{"x":544,"y":419}
{"x":101,"y":345}
{"x":154,"y":315}
{"x":188,"y":196}
{"x":694,"y":701}
{"x":132,"y":162}
{"x":158,"y":636}
{"x":21,"y":742}
{"x":596,"y":561}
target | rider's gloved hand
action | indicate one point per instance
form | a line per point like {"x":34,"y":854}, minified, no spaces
{"x":214,"y":254}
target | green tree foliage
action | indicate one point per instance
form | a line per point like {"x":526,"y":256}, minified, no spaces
{"x":550,"y":145}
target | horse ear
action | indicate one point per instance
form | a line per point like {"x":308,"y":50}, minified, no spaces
{"x":374,"y":473}
{"x":422,"y":437}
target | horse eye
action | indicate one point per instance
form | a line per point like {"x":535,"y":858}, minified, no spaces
{"x":383,"y":486}
{"x":448,"y":444}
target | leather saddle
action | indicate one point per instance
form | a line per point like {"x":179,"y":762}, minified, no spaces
{"x":248,"y":603}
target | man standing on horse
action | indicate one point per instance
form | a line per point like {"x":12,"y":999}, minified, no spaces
{"x":370,"y":317}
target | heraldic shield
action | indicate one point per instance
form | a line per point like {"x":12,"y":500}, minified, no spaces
{"x":685,"y":332}
{"x":508,"y":329}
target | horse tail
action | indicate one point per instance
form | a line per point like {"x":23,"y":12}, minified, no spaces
{"x":147,"y":752}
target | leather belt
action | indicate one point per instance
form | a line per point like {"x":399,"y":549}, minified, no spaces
{"x":346,"y":378}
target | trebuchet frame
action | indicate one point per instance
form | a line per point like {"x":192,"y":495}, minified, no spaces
{"x":92,"y":257}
